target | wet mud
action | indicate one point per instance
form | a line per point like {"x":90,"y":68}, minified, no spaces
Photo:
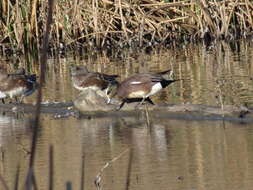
{"x":90,"y":105}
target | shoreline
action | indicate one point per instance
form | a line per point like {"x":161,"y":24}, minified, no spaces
{"x":188,"y":112}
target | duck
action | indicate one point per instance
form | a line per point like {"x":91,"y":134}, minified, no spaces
{"x":82,"y":79}
{"x":18,"y":84}
{"x":140,"y":87}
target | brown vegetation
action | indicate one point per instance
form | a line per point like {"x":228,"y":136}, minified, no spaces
{"x":122,"y":23}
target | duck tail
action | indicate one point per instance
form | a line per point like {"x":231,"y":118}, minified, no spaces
{"x":31,"y":78}
{"x":167,"y":72}
{"x":166,"y":83}
{"x":110,"y":78}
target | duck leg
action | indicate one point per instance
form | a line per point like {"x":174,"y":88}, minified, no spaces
{"x":21,"y":99}
{"x":140,"y":103}
{"x":121,"y":105}
{"x":150,"y":101}
{"x":15,"y":101}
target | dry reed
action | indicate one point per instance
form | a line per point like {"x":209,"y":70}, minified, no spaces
{"x":122,"y":23}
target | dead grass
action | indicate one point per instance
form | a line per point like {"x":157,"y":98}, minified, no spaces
{"x":122,"y":23}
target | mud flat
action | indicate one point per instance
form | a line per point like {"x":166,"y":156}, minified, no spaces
{"x":55,"y":108}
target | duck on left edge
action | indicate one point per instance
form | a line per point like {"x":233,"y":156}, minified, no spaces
{"x":14,"y":85}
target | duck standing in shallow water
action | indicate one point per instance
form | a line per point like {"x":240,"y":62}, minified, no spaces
{"x":16,"y":85}
{"x":140,"y":86}
{"x":82,"y":79}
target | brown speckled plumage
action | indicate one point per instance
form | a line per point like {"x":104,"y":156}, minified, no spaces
{"x":83,"y":79}
{"x":16,"y":84}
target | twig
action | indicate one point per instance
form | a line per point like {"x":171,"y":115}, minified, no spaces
{"x":28,"y":182}
{"x":129,"y":169}
{"x":98,"y":178}
{"x":220,"y":96}
{"x":147,"y":116}
{"x":123,"y":20}
{"x":35,"y":186}
{"x":51,"y":168}
{"x":17,"y":178}
{"x":82,"y":170}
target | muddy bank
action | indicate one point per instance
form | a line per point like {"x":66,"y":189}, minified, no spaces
{"x":92,"y":104}
{"x":90,"y":100}
{"x":57,"y":109}
{"x":178,"y":112}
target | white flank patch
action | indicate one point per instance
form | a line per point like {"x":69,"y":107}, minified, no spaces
{"x":141,"y":94}
{"x":157,"y":87}
{"x":135,"y":82}
{"x":137,"y":94}
{"x":2,"y":95}
{"x":86,"y":88}
{"x":77,"y":87}
{"x":16,"y":92}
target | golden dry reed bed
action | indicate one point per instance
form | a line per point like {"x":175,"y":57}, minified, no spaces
{"x":122,"y":23}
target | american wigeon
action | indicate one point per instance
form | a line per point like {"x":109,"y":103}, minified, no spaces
{"x":140,"y":86}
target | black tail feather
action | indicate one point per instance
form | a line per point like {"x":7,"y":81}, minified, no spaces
{"x":165,"y":83}
{"x":110,"y":77}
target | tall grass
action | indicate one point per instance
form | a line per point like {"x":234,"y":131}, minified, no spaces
{"x":122,"y":23}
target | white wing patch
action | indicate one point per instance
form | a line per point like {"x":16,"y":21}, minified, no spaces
{"x":136,"y":82}
{"x":15,"y":92}
{"x":137,"y":94}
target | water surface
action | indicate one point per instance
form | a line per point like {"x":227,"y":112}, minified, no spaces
{"x":168,"y":154}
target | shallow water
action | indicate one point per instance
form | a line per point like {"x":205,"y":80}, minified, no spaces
{"x":168,"y":154}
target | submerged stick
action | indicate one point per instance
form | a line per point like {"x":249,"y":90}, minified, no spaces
{"x":82,"y":170}
{"x":35,"y":186}
{"x":147,"y":116}
{"x":98,"y":178}
{"x":129,"y":169}
{"x":17,"y":178}
{"x":51,"y":168}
